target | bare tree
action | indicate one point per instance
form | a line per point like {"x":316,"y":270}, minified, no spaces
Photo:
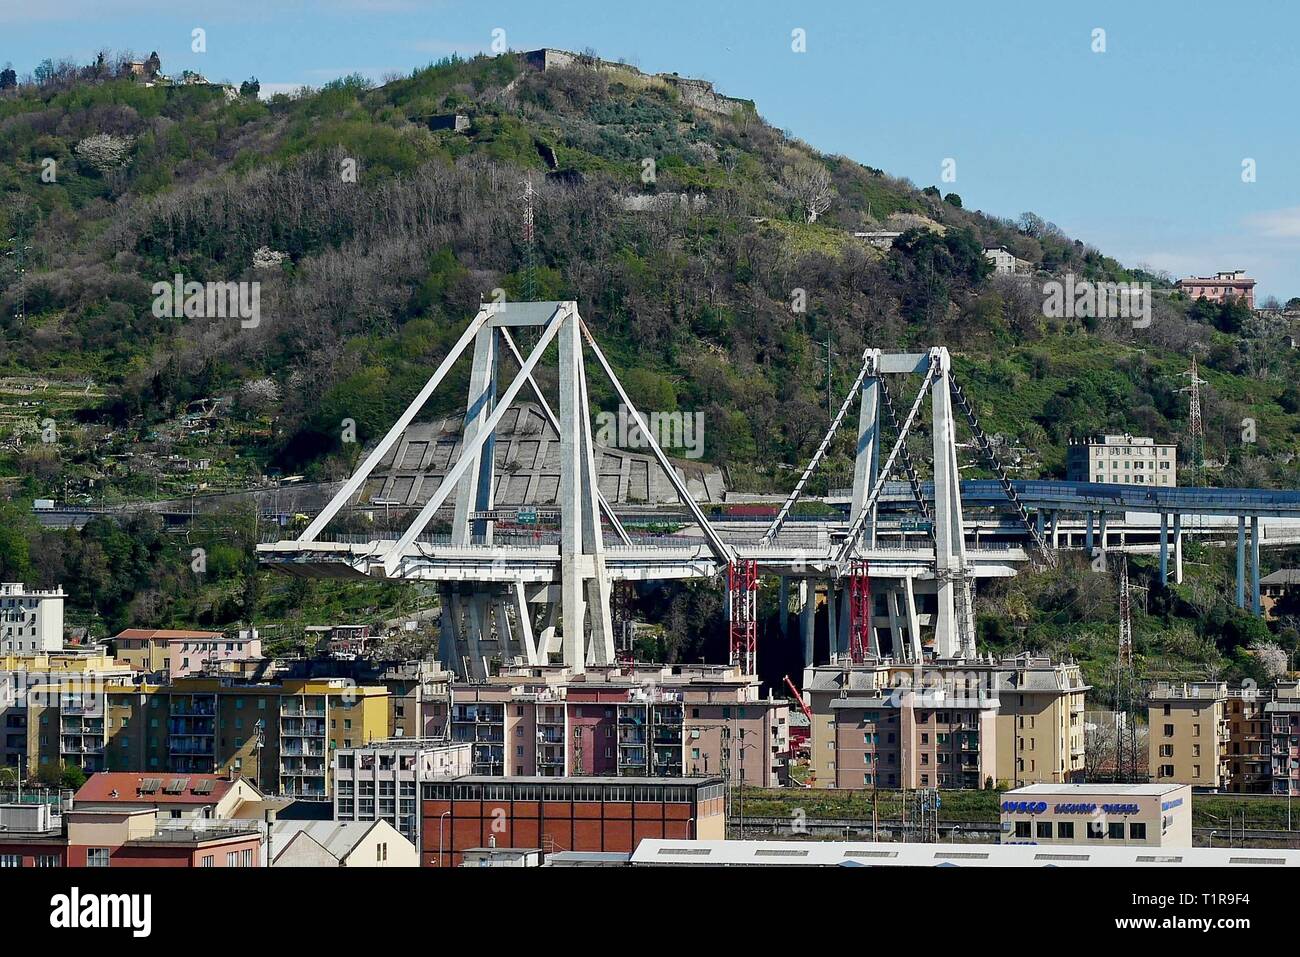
{"x":810,"y":183}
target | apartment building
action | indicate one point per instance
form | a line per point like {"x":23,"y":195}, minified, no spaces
{"x":623,"y":721}
{"x":1092,"y":815}
{"x":381,"y":780}
{"x":1188,"y":737}
{"x":1040,"y":725}
{"x":19,"y":673}
{"x":1250,"y":741}
{"x":1232,"y":284}
{"x":149,"y":650}
{"x":947,"y":725}
{"x":1283,"y":714}
{"x":280,"y":735}
{"x":1122,"y":460}
{"x":180,"y":654}
{"x":31,"y":619}
{"x":188,"y":656}
{"x":867,"y":733}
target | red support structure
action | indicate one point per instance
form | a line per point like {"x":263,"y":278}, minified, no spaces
{"x":742,"y":591}
{"x":859,"y":612}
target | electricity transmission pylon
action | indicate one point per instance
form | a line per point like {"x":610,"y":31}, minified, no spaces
{"x":1125,"y":681}
{"x":1196,"y":427}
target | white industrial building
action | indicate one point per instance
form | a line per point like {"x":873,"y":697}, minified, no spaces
{"x":658,"y":853}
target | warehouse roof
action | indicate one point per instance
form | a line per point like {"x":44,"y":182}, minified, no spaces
{"x":654,"y":852}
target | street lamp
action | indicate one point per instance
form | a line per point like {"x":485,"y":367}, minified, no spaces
{"x":1212,"y":833}
{"x":443,"y":816}
{"x":955,"y":829}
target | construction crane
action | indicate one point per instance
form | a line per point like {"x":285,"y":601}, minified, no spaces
{"x":809,"y":715}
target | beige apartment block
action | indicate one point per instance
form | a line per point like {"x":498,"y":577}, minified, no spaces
{"x":1040,"y":720}
{"x":1123,"y":460}
{"x":1188,"y":739}
{"x":622,"y":721}
{"x":1250,"y":742}
{"x":967,"y":724}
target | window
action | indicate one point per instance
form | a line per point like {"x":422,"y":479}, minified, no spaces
{"x":97,"y":857}
{"x":1169,"y":731}
{"x":1065,"y":830}
{"x":1022,"y":829}
{"x":11,"y":860}
{"x":1137,"y":831}
{"x":1096,"y":831}
{"x":208,"y":861}
{"x":1116,"y":831}
{"x":1044,"y":829}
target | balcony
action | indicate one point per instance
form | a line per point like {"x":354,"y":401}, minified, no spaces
{"x":296,"y":708}
{"x":302,"y":728}
{"x":314,"y":751}
{"x":302,"y":790}
{"x":203,"y":707}
{"x":190,"y":745}
{"x":191,"y":726}
{"x":77,"y":746}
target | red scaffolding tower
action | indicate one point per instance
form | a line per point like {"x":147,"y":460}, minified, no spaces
{"x":859,"y":612}
{"x":742,"y":590}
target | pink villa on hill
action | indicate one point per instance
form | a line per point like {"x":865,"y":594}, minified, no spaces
{"x":1220,"y":286}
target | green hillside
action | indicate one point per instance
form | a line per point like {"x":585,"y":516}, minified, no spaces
{"x":389,"y":232}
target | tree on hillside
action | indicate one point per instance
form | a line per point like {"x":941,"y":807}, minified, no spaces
{"x":8,"y":78}
{"x":250,"y":88}
{"x":810,"y":183}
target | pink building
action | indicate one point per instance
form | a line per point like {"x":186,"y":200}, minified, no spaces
{"x":1220,"y":286}
{"x":188,"y":655}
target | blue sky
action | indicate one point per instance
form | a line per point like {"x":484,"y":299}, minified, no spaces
{"x":1138,"y":149}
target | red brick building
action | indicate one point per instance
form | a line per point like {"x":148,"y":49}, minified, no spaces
{"x":565,"y":814}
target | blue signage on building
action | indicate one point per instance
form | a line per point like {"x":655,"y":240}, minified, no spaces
{"x":1025,"y":807}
